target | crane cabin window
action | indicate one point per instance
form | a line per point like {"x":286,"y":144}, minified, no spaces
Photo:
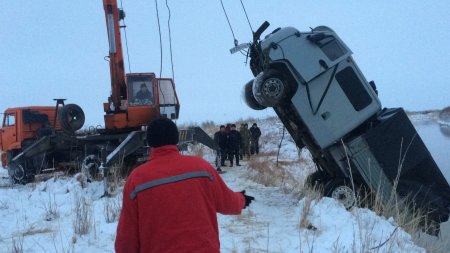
{"x":140,"y":90}
{"x":10,"y":120}
{"x":167,"y":92}
{"x":168,"y":100}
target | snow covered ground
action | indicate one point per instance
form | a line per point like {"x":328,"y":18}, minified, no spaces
{"x":41,"y":217}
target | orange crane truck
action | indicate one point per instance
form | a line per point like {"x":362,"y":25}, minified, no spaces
{"x":39,"y":139}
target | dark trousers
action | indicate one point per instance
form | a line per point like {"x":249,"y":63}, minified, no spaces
{"x":223,"y":156}
{"x":254,"y":146}
{"x":234,"y":153}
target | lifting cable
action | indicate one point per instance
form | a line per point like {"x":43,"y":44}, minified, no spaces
{"x":248,"y":20}
{"x":126,"y":40}
{"x":229,"y":24}
{"x":160,"y":40}
{"x":170,"y":42}
{"x":161,"y":92}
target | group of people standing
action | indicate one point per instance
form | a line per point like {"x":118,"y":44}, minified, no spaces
{"x":234,"y":145}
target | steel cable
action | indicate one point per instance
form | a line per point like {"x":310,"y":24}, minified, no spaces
{"x":229,"y":24}
{"x":126,"y":39}
{"x":170,"y":42}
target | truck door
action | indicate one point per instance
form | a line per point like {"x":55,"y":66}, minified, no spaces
{"x":9,"y":132}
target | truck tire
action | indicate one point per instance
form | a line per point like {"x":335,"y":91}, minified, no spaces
{"x":71,"y":117}
{"x":271,"y":88}
{"x":249,"y":98}
{"x":19,"y":174}
{"x":342,"y":191}
{"x":90,"y":167}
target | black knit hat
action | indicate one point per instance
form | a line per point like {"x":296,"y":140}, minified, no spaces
{"x":161,"y":132}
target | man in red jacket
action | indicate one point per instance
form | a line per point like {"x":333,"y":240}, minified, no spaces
{"x":170,"y":202}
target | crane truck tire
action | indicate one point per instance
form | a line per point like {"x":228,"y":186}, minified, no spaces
{"x":270,"y":88}
{"x":90,"y":167}
{"x":18,"y":174}
{"x":71,"y":117}
{"x":249,"y":98}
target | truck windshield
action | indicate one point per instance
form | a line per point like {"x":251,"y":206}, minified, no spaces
{"x":10,"y":120}
{"x":331,"y":47}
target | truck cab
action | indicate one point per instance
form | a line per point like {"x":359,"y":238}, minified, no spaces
{"x":22,"y":126}
{"x":323,"y":99}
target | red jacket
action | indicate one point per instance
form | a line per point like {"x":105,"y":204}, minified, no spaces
{"x":178,"y":216}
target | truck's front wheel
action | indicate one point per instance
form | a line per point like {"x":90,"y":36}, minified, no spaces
{"x":18,"y":173}
{"x":249,"y":98}
{"x":271,"y":88}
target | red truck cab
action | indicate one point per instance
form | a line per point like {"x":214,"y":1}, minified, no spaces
{"x":21,"y":125}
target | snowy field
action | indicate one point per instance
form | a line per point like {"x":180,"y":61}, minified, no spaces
{"x":46,"y":216}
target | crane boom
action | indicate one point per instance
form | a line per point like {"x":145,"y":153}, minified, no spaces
{"x":117,"y":70}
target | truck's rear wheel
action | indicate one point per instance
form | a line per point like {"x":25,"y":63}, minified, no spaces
{"x":342,"y":191}
{"x":249,"y":98}
{"x":271,"y":88}
{"x":71,"y":117}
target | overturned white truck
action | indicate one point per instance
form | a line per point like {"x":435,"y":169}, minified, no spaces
{"x":326,"y":104}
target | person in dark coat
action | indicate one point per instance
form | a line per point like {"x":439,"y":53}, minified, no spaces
{"x":227,"y":142}
{"x":143,"y":93}
{"x":234,"y":142}
{"x":220,"y":138}
{"x":254,"y":142}
{"x":170,"y":203}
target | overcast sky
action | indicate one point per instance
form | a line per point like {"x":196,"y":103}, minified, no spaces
{"x":55,"y":49}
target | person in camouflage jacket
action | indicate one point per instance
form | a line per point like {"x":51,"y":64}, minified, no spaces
{"x":254,"y":140}
{"x":245,"y":140}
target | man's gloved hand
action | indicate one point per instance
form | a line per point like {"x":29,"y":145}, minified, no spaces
{"x":248,"y":199}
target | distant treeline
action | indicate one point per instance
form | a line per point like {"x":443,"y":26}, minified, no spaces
{"x":445,"y":114}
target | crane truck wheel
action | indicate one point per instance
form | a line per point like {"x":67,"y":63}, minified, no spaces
{"x":249,"y":98}
{"x":271,"y":88}
{"x":90,"y":167}
{"x":342,"y":191}
{"x":71,"y":117}
{"x":18,"y":173}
